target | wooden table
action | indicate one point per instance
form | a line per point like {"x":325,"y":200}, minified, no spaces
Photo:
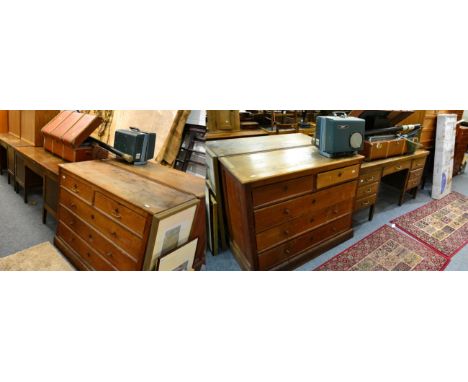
{"x":224,"y":148}
{"x":32,"y":164}
{"x":220,"y":134}
{"x":286,"y":206}
{"x":404,"y":172}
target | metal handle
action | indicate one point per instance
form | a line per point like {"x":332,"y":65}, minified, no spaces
{"x":75,"y":189}
{"x":115,"y":213}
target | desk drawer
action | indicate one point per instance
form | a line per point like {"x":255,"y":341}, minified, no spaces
{"x":77,"y":187}
{"x":112,"y":231}
{"x":278,"y":191}
{"x":415,"y":174}
{"x":365,"y":202}
{"x":369,"y":178}
{"x":340,"y":175}
{"x":367,"y":190}
{"x":282,"y":212}
{"x":132,"y":220}
{"x":83,"y":250}
{"x":93,"y":238}
{"x":282,"y":253}
{"x":396,"y":167}
{"x":418,"y":163}
{"x":286,"y":231}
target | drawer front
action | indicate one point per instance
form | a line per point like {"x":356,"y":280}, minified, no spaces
{"x":286,"y":231}
{"x":104,"y":247}
{"x":412,"y":183}
{"x":83,"y":250}
{"x":77,"y":187}
{"x":396,"y":167}
{"x":415,"y":174}
{"x":365,"y":202}
{"x":112,"y":231}
{"x":367,"y":190}
{"x":282,"y":212}
{"x":278,"y":191}
{"x":282,"y":253}
{"x":369,"y":178}
{"x":120,"y":213}
{"x":418,"y":163}
{"x":330,"y":178}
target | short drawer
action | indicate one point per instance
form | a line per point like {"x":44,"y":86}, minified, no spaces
{"x":365,"y":202}
{"x":369,"y":178}
{"x":396,"y":167}
{"x":340,"y":175}
{"x":83,"y":250}
{"x":412,"y":183}
{"x":282,"y":253}
{"x":278,"y":191}
{"x":123,"y":238}
{"x":288,"y":230}
{"x":415,"y":174}
{"x":418,"y":163}
{"x":77,"y":187}
{"x":282,"y":212}
{"x":367,"y":190}
{"x":120,"y":213}
{"x":93,"y":238}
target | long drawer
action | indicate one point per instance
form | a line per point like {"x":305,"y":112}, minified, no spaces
{"x":85,"y":252}
{"x":288,"y":230}
{"x":282,"y":212}
{"x":282,"y":253}
{"x":125,"y":239}
{"x":106,"y":249}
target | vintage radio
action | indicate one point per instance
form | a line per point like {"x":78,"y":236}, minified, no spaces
{"x":66,"y":135}
{"x":339,"y":135}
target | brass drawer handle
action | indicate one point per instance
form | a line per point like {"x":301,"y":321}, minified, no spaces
{"x":115,"y":213}
{"x":339,"y":174}
{"x":286,"y":232}
{"x":365,"y":203}
{"x":371,"y":179}
{"x":286,"y":211}
{"x":369,"y":190}
{"x":113,"y":233}
{"x":72,"y":205}
{"x":398,"y":167}
{"x":335,"y":211}
{"x":287,"y":251}
{"x":109,"y":254}
{"x":75,"y":189}
{"x":71,"y":223}
{"x":90,"y":238}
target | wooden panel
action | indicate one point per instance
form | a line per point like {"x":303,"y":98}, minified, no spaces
{"x":14,"y":123}
{"x":77,"y":187}
{"x":280,"y":191}
{"x":367,"y":190}
{"x":279,"y":213}
{"x":402,"y":165}
{"x":418,"y":163}
{"x":330,"y":178}
{"x":3,"y":121}
{"x":117,"y":211}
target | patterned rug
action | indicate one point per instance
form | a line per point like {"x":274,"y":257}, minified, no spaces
{"x":386,"y":250}
{"x":440,"y":224}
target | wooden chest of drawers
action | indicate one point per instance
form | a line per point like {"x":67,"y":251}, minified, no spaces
{"x":287,"y":206}
{"x":111,"y":218}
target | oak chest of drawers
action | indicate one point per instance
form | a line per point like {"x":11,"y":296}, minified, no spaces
{"x":287,"y":206}
{"x":111,"y":218}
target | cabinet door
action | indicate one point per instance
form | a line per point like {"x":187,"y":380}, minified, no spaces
{"x":14,"y":122}
{"x":227,"y":120}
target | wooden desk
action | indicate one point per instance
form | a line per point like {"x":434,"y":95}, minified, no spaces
{"x":223,"y":148}
{"x":8,"y":143}
{"x":284,"y":207}
{"x":214,"y":135}
{"x":36,"y":166}
{"x":408,"y":167}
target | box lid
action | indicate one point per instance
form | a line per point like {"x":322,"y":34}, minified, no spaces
{"x":71,"y":127}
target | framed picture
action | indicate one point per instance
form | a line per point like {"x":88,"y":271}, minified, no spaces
{"x":181,"y":259}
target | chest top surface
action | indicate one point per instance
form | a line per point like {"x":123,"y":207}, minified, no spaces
{"x":237,"y":146}
{"x":135,"y":189}
{"x":248,"y":168}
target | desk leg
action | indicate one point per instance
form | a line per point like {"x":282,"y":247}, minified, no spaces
{"x":44,"y":215}
{"x":402,"y":195}
{"x":371,"y":212}
{"x":415,"y":192}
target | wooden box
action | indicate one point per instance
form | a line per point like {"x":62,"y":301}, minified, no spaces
{"x":65,"y":134}
{"x":384,"y":149}
{"x":111,"y":218}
